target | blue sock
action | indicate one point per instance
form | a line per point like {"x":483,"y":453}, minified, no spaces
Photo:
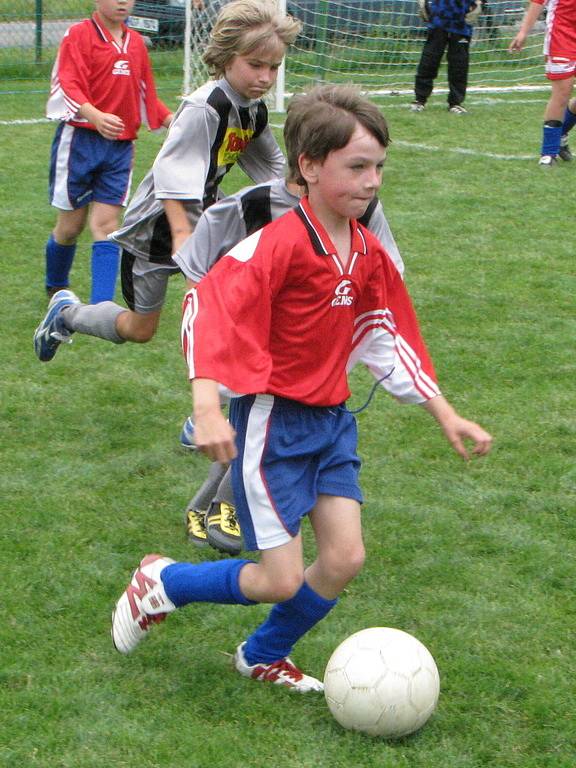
{"x":552,"y":133}
{"x":59,"y":260}
{"x":286,"y":623}
{"x":105,"y":260}
{"x":569,"y":121}
{"x":209,"y":582}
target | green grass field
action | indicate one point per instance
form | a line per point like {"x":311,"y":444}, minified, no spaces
{"x":478,"y":560}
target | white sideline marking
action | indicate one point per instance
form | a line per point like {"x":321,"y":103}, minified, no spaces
{"x":31,"y":121}
{"x":462,"y":151}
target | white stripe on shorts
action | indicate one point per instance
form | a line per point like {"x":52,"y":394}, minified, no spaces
{"x":269,"y":530}
{"x":60,"y":197}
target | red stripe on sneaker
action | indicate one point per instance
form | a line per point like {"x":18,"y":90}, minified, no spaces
{"x":144,"y":583}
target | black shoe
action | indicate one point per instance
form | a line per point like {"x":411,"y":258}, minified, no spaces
{"x":565,"y":154}
{"x":222,"y":528}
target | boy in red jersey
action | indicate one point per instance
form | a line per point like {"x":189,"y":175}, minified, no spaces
{"x":560,"y":53}
{"x":102,"y":89}
{"x":278,"y":320}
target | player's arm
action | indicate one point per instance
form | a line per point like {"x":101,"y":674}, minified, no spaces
{"x":213,"y":434}
{"x":457,"y":429}
{"x":179,"y":222}
{"x":180,"y":170}
{"x":530,"y":18}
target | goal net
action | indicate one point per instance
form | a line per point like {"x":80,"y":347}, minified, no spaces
{"x":376,"y":45}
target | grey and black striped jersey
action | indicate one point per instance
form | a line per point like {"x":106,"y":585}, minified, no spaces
{"x":235,"y":217}
{"x":213,"y":129}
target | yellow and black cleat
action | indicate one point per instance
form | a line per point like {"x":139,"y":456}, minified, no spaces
{"x":196,"y":527}
{"x":222,"y":528}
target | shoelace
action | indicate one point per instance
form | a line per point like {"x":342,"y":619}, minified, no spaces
{"x":196,"y":522}
{"x":230,"y":519}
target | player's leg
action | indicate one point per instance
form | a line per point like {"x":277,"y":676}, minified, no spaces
{"x":111,"y":189}
{"x":567,"y":125}
{"x":428,"y":66}
{"x":458,"y":64}
{"x":223,"y":530}
{"x":69,"y":191}
{"x":561,"y":76}
{"x":104,"y":219}
{"x":337,"y":526}
{"x":142,"y":282}
{"x":61,"y":248}
{"x":292,"y":459}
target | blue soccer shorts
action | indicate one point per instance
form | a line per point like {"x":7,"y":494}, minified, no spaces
{"x":85,"y":167}
{"x":288,"y":454}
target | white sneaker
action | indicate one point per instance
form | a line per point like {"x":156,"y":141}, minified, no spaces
{"x":417,"y":106}
{"x":144,"y":602}
{"x":547,"y":161}
{"x":187,"y":435}
{"x":457,"y":109}
{"x":281,"y":672}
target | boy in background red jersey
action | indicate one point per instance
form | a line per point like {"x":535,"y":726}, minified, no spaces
{"x":102,"y":89}
{"x":560,"y":67}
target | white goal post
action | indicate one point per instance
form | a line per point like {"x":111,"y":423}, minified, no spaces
{"x":376,"y":45}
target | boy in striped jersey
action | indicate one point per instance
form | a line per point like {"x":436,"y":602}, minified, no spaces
{"x":277,"y":321}
{"x":222,"y":123}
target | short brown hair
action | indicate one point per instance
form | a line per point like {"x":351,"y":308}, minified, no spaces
{"x":324,"y":119}
{"x":243,"y":26}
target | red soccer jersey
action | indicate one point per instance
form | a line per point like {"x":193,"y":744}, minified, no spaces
{"x":280,"y":315}
{"x":114,"y":77}
{"x":560,"y":38}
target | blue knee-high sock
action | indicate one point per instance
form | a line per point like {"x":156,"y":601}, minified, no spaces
{"x":569,"y":121}
{"x":551,"y":135}
{"x":286,"y":623}
{"x":209,"y":582}
{"x":59,"y":260}
{"x":105,"y":260}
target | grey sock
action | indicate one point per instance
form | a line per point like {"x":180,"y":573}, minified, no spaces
{"x":206,"y":492}
{"x":94,"y":320}
{"x":225,"y":492}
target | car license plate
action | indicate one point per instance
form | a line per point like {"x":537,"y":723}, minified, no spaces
{"x":141,"y":22}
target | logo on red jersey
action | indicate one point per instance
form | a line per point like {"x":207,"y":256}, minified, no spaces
{"x":342,"y":296}
{"x":121,"y":67}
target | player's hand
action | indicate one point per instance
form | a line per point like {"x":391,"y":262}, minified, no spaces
{"x":214,"y":435}
{"x":518,"y":43}
{"x":459,"y":430}
{"x":109,"y":126}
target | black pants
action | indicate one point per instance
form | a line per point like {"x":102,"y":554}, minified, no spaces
{"x":458,"y":55}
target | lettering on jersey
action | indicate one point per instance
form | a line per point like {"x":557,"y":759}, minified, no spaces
{"x":342,"y":296}
{"x":235,"y":142}
{"x":121,"y":67}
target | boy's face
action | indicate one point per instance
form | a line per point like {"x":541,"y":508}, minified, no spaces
{"x":253,"y":74}
{"x":344,"y":183}
{"x":114,"y":11}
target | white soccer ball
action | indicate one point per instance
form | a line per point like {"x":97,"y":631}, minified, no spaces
{"x":383,"y":682}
